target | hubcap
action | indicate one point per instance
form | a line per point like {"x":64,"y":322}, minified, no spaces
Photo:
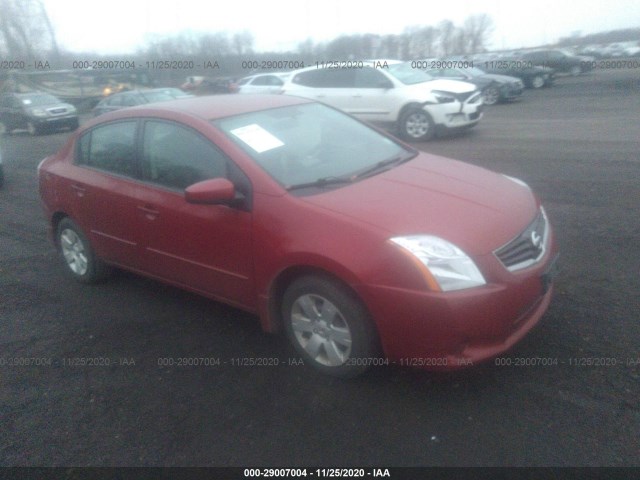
{"x":490,"y":96}
{"x":73,"y":251}
{"x":321,"y":330}
{"x":537,"y":82}
{"x":417,"y":125}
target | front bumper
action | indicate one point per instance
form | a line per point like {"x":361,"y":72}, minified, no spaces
{"x":66,"y":121}
{"x":451,"y":330}
{"x":455,"y":114}
{"x":511,"y":92}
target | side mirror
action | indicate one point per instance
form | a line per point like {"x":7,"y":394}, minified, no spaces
{"x":214,"y":191}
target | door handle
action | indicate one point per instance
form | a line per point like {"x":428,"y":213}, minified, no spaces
{"x":80,"y":190}
{"x":149,"y":212}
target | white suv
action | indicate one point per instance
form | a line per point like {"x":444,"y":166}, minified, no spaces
{"x":391,"y":94}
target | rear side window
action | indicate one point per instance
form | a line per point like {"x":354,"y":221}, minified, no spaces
{"x":326,"y":78}
{"x":176,"y":157}
{"x":370,"y":78}
{"x":110,"y":147}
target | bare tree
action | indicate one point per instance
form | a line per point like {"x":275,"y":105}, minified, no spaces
{"x":446,"y":30}
{"x":243,"y":42}
{"x":25,"y":29}
{"x":477,"y":29}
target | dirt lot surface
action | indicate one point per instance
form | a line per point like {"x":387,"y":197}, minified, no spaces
{"x":577,"y":144}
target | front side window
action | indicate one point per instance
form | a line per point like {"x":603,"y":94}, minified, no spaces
{"x":176,"y":157}
{"x":109,"y":147}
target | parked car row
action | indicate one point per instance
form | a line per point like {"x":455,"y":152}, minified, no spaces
{"x":558,"y":60}
{"x":533,"y":76}
{"x":397,"y":97}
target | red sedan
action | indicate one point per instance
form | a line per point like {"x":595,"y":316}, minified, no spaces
{"x":362,"y":249}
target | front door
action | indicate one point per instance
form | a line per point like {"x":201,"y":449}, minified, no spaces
{"x":202,"y":247}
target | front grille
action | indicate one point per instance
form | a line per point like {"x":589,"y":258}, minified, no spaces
{"x":528,"y":247}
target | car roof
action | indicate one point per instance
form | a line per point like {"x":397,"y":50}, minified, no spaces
{"x":212,"y":107}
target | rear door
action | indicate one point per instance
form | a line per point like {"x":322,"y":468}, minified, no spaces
{"x":103,"y":188}
{"x":335,"y":87}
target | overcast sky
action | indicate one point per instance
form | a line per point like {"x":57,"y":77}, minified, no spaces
{"x":122,"y":26}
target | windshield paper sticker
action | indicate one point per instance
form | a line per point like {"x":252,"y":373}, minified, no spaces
{"x":257,"y":138}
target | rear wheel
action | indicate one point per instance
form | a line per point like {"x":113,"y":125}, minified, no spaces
{"x":328,"y":326}
{"x":78,"y":255}
{"x":416,"y":125}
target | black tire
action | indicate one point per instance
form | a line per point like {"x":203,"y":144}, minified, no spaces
{"x":77,"y":254}
{"x":329,"y":327}
{"x":416,"y":125}
{"x":537,"y":82}
{"x":490,"y":96}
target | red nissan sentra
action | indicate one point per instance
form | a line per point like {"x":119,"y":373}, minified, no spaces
{"x":362,"y":249}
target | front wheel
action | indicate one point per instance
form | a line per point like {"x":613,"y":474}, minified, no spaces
{"x":328,"y":326}
{"x":78,"y":256}
{"x":490,"y":96}
{"x":416,"y":125}
{"x":537,"y":81}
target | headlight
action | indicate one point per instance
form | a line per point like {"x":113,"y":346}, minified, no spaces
{"x":517,"y":180}
{"x":444,"y":266}
{"x":38,"y":112}
{"x":443,"y":97}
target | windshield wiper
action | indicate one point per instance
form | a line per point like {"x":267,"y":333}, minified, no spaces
{"x":320,"y":182}
{"x":383,"y":166}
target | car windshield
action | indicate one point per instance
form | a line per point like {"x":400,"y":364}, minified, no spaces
{"x":40,"y":99}
{"x":407,"y":74}
{"x":309,"y":143}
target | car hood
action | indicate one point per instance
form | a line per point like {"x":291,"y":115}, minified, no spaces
{"x":476,"y":209}
{"x":453,"y":86}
